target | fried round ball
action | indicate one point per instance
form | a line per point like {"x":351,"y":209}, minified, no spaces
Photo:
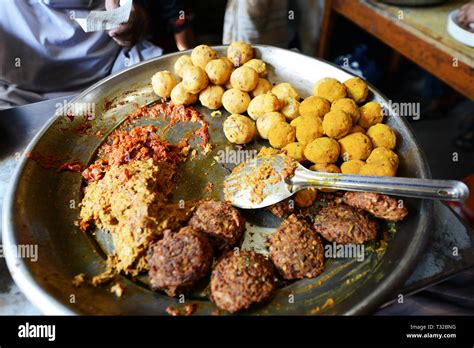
{"x":384,"y":154}
{"x":235,"y":101}
{"x":345,"y":225}
{"x":223,"y":223}
{"x":267,"y":122}
{"x":314,"y":106}
{"x":219,"y":70}
{"x":163,"y":83}
{"x":337,"y":124}
{"x":290,"y":108}
{"x":352,"y":166}
{"x":180,"y":96}
{"x":296,"y":250}
{"x":308,"y":128}
{"x":330,"y":89}
{"x":181,"y":64}
{"x":382,"y":136}
{"x":244,"y":78}
{"x":203,"y":54}
{"x":349,"y":107}
{"x":379,"y":168}
{"x":194,"y":79}
{"x":258,"y":65}
{"x":242,"y":279}
{"x":370,"y":114}
{"x":239,"y":53}
{"x":357,"y":129}
{"x":263,"y":86}
{"x":239,"y":129}
{"x":305,"y":197}
{"x":179,"y":260}
{"x":357,"y":89}
{"x":295,"y":150}
{"x":211,"y":97}
{"x":322,"y":150}
{"x":325,"y":168}
{"x":255,"y":109}
{"x":281,"y":135}
{"x":271,"y":102}
{"x":285,"y":90}
{"x":355,"y":146}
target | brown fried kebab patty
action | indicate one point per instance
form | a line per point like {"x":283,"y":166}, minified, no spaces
{"x":381,"y":206}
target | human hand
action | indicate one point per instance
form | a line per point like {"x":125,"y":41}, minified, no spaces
{"x":131,"y":32}
{"x":466,"y":16}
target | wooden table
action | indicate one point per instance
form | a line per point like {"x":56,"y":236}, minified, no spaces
{"x":418,"y":33}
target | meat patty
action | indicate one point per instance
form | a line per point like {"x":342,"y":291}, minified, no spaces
{"x":179,"y":260}
{"x":242,"y":279}
{"x":221,"y":221}
{"x":381,"y":206}
{"x":296,"y":250}
{"x":283,"y":209}
{"x":345,"y":225}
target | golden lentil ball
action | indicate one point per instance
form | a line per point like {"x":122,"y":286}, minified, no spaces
{"x":239,"y":129}
{"x":258,"y":65}
{"x":281,"y":135}
{"x":315,"y":106}
{"x":219,"y":70}
{"x":263,"y":86}
{"x":271,"y":102}
{"x":194,"y":79}
{"x":325,"y":167}
{"x":181,"y":64}
{"x":308,"y":128}
{"x":235,"y":101}
{"x":211,"y":97}
{"x":357,"y":129}
{"x":203,"y":54}
{"x":290,"y":108}
{"x":355,"y":146}
{"x":163,"y":82}
{"x":380,"y":168}
{"x":180,"y":96}
{"x":305,"y":197}
{"x":352,"y":166}
{"x":330,"y":89}
{"x":239,"y":53}
{"x":285,"y":90}
{"x":357,"y":89}
{"x":337,"y":124}
{"x":244,"y":78}
{"x":322,"y":150}
{"x":267,"y":121}
{"x":295,"y":150}
{"x":349,"y":107}
{"x":370,"y":114}
{"x":255,"y":109}
{"x":382,"y":136}
{"x":384,"y":154}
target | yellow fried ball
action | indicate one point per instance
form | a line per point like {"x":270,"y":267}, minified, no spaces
{"x":235,"y":101}
{"x":380,"y":168}
{"x":244,"y":78}
{"x":305,"y":197}
{"x":325,"y":168}
{"x":194,"y":79}
{"x":349,"y":107}
{"x":181,"y":64}
{"x":352,"y":166}
{"x":203,"y":54}
{"x":357,"y":129}
{"x":357,"y":89}
{"x":314,"y":106}
{"x":239,"y":53}
{"x":355,"y":146}
{"x":308,"y":128}
{"x":370,"y":114}
{"x":281,"y":135}
{"x":295,"y":150}
{"x":384,"y":154}
{"x":337,"y":124}
{"x":382,"y":136}
{"x":285,"y":90}
{"x":267,"y":121}
{"x":255,"y":109}
{"x":180,"y":96}
{"x":322,"y":150}
{"x":263,"y":86}
{"x":258,"y":65}
{"x":239,"y":129}
{"x":290,"y":108}
{"x":211,"y":97}
{"x":219,"y":70}
{"x":330,"y":89}
{"x":271,"y":102}
{"x":163,"y":82}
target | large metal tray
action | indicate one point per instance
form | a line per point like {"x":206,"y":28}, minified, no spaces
{"x":41,"y":208}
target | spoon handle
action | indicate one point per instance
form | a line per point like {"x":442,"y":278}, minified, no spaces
{"x":448,"y":190}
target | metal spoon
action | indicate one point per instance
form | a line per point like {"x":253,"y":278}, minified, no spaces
{"x":241,"y":185}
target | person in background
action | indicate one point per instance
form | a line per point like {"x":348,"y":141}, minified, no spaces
{"x":466,"y":16}
{"x":45,"y":54}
